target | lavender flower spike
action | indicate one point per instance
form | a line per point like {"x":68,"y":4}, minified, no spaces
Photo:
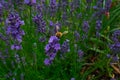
{"x":13,"y":29}
{"x":29,"y":2}
{"x":51,"y":49}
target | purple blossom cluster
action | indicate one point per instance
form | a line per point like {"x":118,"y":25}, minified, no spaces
{"x":51,"y":49}
{"x":115,"y":46}
{"x":53,"y":7}
{"x":74,"y":5}
{"x":99,"y":10}
{"x":64,"y":16}
{"x":85,"y":28}
{"x":108,"y":5}
{"x":116,"y":36}
{"x":41,"y":24}
{"x":30,"y":2}
{"x":13,"y":30}
{"x":1,"y":11}
{"x":5,"y":5}
{"x":77,"y":36}
{"x":65,"y":47}
{"x":98,"y":27}
{"x":80,"y":54}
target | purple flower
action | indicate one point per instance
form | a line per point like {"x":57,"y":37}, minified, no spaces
{"x":30,"y":2}
{"x":80,"y":53}
{"x":98,"y":27}
{"x":115,"y":48}
{"x":116,"y":36}
{"x":77,"y":36}
{"x":1,"y":6}
{"x":39,"y":8}
{"x":52,"y":56}
{"x":53,"y":7}
{"x":108,"y":56}
{"x":85,"y":26}
{"x":99,"y":10}
{"x":65,"y":47}
{"x":53,"y":39}
{"x":108,"y":5}
{"x":72,"y":79}
{"x":72,"y":7}
{"x":53,"y":44}
{"x":16,"y":47}
{"x":47,"y":61}
{"x":47,"y":47}
{"x":95,"y":7}
{"x":1,"y":11}
{"x":13,"y":29}
{"x":33,"y":1}
{"x":52,"y":27}
{"x":51,"y":49}
{"x":51,"y":23}
{"x":57,"y":47}
{"x":41,"y":24}
{"x":115,"y":58}
{"x":27,"y":1}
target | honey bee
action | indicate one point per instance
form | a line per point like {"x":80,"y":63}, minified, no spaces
{"x":58,"y":33}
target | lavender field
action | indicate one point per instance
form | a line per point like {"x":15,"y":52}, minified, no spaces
{"x":59,"y":40}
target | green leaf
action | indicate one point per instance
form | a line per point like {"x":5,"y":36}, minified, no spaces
{"x":97,"y":50}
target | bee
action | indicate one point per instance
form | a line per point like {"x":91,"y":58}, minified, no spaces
{"x":58,"y":33}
